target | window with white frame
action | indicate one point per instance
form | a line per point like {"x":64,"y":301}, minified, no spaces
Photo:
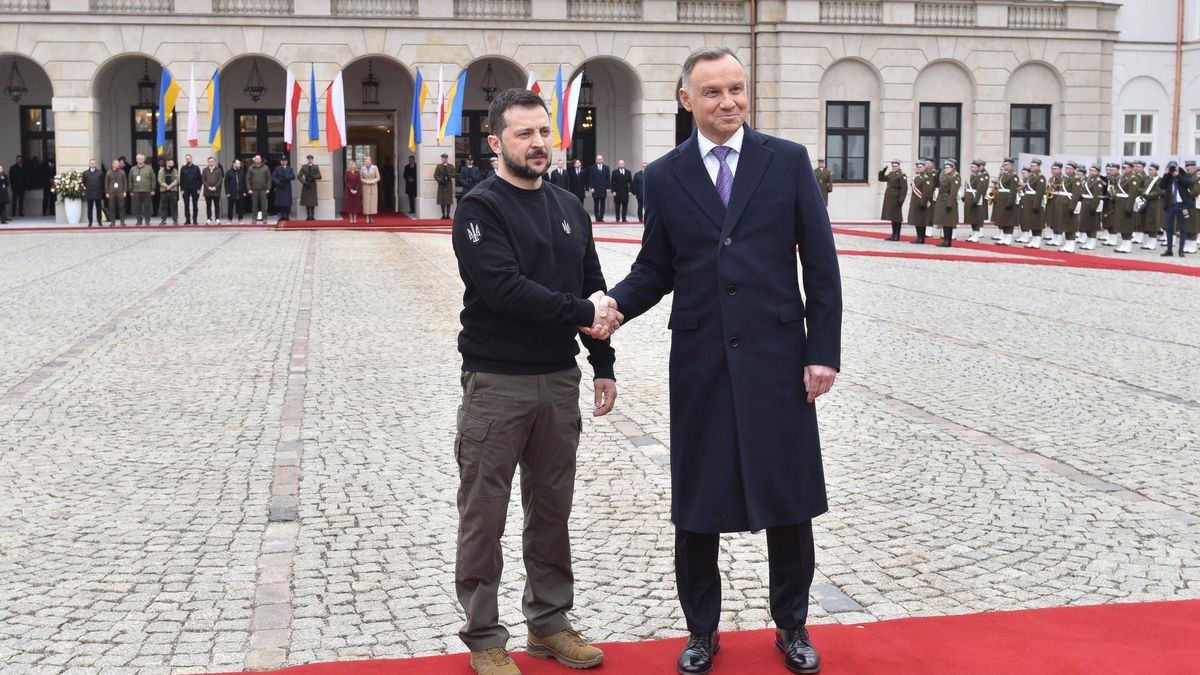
{"x":1196,"y":133}
{"x":1138,"y":136}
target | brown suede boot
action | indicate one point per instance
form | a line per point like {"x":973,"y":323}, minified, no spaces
{"x":494,"y":661}
{"x":567,"y":647}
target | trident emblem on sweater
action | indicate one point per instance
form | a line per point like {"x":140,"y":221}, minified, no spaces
{"x":566,"y":228}
{"x":473,"y":233}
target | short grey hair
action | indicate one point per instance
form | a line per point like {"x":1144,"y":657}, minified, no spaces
{"x":705,"y":54}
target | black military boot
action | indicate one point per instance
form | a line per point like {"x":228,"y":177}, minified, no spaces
{"x":920,"y":236}
{"x":895,"y":232}
{"x":947,"y":237}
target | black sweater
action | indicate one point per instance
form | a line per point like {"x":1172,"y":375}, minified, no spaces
{"x":529,"y":264}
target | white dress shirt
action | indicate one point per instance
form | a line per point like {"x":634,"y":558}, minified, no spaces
{"x":710,"y":160}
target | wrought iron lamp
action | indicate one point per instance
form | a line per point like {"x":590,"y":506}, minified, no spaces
{"x":254,"y":83}
{"x":489,"y":83}
{"x":15,"y":88}
{"x":370,"y":87}
{"x":145,"y":86}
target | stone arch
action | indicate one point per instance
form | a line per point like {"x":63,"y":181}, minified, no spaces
{"x":1035,"y":83}
{"x":949,"y":83}
{"x":240,"y":137}
{"x":124,"y":128}
{"x":613,"y":125}
{"x":851,"y":81}
{"x":27,"y":125}
{"x":381,"y":128}
{"x":1143,"y":94}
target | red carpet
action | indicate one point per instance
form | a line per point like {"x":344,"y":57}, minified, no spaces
{"x":383,"y":221}
{"x":1149,"y":638}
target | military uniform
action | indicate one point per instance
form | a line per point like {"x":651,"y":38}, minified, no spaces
{"x":1152,"y":211}
{"x":945,"y":210}
{"x":918,"y":206}
{"x":1071,"y":207}
{"x":309,"y":175}
{"x":444,"y":175}
{"x":975,"y":200}
{"x":1092,"y":202}
{"x":141,"y":185}
{"x":825,"y":182}
{"x":1004,"y":202}
{"x":1123,"y":192}
{"x":1140,"y":181}
{"x":1031,"y":207}
{"x":1108,"y":215}
{"x":893,"y":197}
{"x":116,"y":185}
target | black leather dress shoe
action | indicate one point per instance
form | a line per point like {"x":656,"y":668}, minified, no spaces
{"x":798,"y":653}
{"x":697,"y":657}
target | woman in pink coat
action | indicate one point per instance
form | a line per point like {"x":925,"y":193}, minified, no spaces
{"x":370,"y":191}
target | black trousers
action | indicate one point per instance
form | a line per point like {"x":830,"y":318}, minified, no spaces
{"x":212,"y":207}
{"x":641,"y":208}
{"x":1176,"y":216}
{"x":235,"y":202}
{"x":791,"y":564}
{"x":98,"y":205}
{"x":621,"y":206}
{"x":191,"y":206}
{"x":47,"y":201}
{"x":18,"y":203}
{"x":598,"y":199}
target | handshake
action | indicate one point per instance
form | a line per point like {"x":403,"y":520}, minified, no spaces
{"x":607,"y":319}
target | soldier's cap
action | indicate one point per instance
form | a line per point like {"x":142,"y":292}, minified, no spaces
{"x":896,"y":162}
{"x":820,"y":159}
{"x":928,"y":159}
{"x":1189,"y":163}
{"x":977,"y":162}
{"x":1035,"y":161}
{"x":1139,"y":162}
{"x":1073,"y":165}
{"x":1154,"y":166}
{"x":1112,"y":165}
{"x":1056,"y":165}
{"x":950,"y":162}
{"x":1126,"y":165}
{"x":444,"y":155}
{"x":308,"y":157}
{"x":1095,"y":166}
{"x":1009,"y":160}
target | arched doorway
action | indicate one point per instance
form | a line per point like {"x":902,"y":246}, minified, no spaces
{"x":252,"y":122}
{"x":609,"y":121}
{"x":378,"y":94}
{"x":27,"y":129}
{"x":126,"y":90}
{"x":492,"y":73}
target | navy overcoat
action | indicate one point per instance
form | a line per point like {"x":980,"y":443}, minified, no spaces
{"x":745,"y":452}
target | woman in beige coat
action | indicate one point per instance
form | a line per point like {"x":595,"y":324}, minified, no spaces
{"x":370,"y":189}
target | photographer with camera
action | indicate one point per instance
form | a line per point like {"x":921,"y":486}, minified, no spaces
{"x":1177,"y":201}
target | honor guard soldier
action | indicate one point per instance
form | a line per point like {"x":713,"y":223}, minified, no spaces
{"x":1004,"y":201}
{"x":1074,"y":205}
{"x":893,"y":197}
{"x":1092,"y":204}
{"x":824,"y":180}
{"x":975,"y":199}
{"x":1138,"y":173}
{"x":1108,"y":215}
{"x":1123,"y":192}
{"x":1193,"y":224}
{"x":945,"y":209}
{"x":1152,"y":208}
{"x":1031,"y":205}
{"x":1055,"y":203}
{"x":918,"y":206}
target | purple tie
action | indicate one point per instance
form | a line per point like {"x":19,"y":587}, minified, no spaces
{"x":724,"y":174}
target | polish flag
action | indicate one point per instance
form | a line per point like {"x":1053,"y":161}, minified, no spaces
{"x":335,"y":114}
{"x":532,"y":84}
{"x":571,"y":101}
{"x":291,"y":109}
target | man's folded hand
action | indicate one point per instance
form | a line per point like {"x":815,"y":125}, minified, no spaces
{"x":607,"y":319}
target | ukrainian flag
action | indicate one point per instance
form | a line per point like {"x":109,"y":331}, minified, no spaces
{"x":420,"y":93}
{"x":452,"y":124}
{"x":557,"y":109}
{"x":168,"y":93}
{"x":213,"y":93}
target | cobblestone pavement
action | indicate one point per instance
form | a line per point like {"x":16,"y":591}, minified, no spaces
{"x":232,"y":449}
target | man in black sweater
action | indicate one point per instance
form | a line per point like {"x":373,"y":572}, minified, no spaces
{"x":190,"y":182}
{"x":533,"y":282}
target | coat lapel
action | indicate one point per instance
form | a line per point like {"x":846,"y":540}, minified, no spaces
{"x":689,"y":169}
{"x":752,"y":164}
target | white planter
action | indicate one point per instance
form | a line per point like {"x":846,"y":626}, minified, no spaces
{"x":74,"y":209}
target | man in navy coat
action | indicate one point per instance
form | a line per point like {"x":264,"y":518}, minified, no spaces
{"x":729,"y":214}
{"x":599,"y":182}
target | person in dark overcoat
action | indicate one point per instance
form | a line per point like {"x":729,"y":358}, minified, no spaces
{"x":622,"y":186}
{"x":410,"y":183}
{"x":577,"y":180}
{"x":282,"y":178}
{"x":639,"y":191}
{"x":93,"y":186}
{"x":744,"y":371}
{"x":3,"y":195}
{"x":309,"y":176}
{"x":893,"y":197}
